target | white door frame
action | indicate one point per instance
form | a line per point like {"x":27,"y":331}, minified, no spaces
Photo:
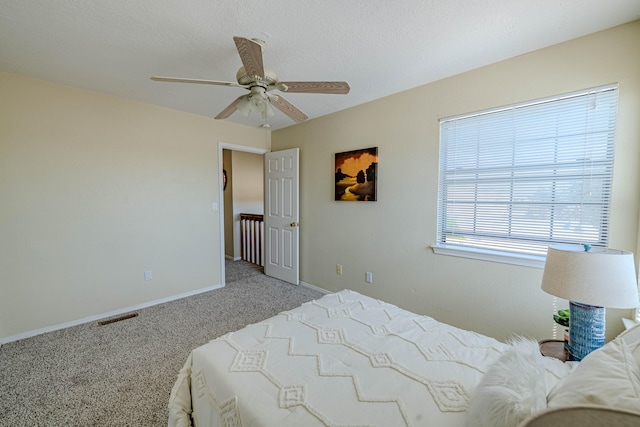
{"x":233,"y":147}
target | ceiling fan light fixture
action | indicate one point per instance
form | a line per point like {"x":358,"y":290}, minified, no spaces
{"x":258,"y":102}
{"x":244,"y":106}
{"x":268,"y":112}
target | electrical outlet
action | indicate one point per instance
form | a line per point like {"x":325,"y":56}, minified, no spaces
{"x":148,"y":275}
{"x":368,"y":277}
{"x":338,"y":268}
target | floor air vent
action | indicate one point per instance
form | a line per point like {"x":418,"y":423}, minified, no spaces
{"x":117,"y":319}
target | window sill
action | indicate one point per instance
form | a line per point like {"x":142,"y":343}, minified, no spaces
{"x":534,"y":261}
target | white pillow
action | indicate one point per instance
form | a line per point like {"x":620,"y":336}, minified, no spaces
{"x":512,"y":389}
{"x":631,"y":337}
{"x":556,"y":370}
{"x":631,"y":334}
{"x":635,"y":351}
{"x":608,"y":376}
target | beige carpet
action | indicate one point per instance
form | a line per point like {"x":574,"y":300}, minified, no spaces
{"x":121,"y":374}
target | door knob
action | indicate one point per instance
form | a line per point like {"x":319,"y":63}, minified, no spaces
{"x":294,"y":224}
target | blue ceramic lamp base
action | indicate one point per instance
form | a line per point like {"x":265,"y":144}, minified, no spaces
{"x":586,"y":329}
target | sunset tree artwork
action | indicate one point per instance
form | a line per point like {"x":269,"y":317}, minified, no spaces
{"x":356,"y":175}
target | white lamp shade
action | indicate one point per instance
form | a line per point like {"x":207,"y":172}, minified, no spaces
{"x":600,"y":277}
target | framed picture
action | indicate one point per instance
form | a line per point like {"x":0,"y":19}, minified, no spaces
{"x":356,"y":175}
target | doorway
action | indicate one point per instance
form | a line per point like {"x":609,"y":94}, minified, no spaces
{"x":280,"y":188}
{"x":249,"y":182}
{"x":243,"y":205}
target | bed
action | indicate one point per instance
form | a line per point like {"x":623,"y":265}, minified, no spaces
{"x":350,"y":360}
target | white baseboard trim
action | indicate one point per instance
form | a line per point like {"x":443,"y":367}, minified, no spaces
{"x":315,"y":288}
{"x":65,"y":325}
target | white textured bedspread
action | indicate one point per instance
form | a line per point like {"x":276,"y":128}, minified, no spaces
{"x":343,"y":360}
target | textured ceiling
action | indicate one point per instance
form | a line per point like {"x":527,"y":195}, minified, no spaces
{"x":380,"y":47}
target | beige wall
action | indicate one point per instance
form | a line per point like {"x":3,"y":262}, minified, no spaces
{"x":392,"y":237}
{"x":95,"y":190}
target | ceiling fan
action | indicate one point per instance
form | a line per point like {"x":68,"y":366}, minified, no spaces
{"x":260,"y":81}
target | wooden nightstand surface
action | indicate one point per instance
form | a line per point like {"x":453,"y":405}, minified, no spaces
{"x":554,"y":348}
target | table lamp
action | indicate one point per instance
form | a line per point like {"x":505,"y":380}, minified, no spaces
{"x":591,"y":279}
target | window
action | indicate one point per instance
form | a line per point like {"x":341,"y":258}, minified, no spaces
{"x":516,"y":179}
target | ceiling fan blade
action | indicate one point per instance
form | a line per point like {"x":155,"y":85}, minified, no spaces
{"x":289,"y":109}
{"x":251,"y":56}
{"x":198,"y":81}
{"x":317,"y":87}
{"x":230,"y":109}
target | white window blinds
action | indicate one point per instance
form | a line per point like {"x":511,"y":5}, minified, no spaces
{"x":519,"y":178}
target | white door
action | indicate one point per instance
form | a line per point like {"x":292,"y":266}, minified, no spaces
{"x":281,"y":215}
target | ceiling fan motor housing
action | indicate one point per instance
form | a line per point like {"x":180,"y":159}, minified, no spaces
{"x":270,"y":77}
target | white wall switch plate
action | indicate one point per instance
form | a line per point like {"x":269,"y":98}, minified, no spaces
{"x":368,"y":277}
{"x":148,"y":275}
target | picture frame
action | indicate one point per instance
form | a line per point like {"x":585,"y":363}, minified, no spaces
{"x":356,"y":175}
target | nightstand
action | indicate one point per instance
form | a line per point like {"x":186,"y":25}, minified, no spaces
{"x":554,"y":348}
